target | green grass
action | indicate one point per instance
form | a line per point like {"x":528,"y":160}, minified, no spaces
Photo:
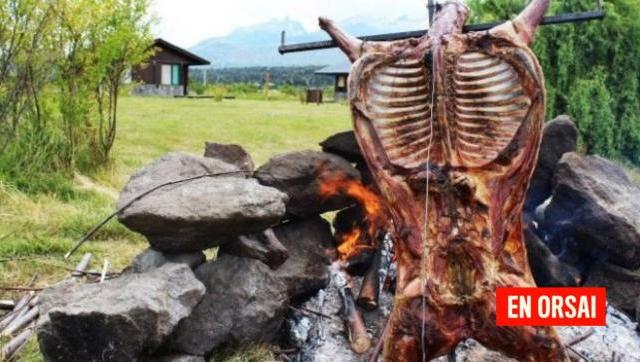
{"x":37,"y":230}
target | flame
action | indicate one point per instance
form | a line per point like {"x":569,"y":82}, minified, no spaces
{"x":360,"y":238}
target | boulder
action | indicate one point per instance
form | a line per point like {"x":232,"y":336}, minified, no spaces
{"x":198,"y":214}
{"x":558,"y":137}
{"x":310,"y":245}
{"x":229,"y":153}
{"x":595,"y":204}
{"x":245,"y":302}
{"x":150,"y":259}
{"x":118,"y":320}
{"x":547,"y":269}
{"x":343,"y":144}
{"x":301,"y":175}
{"x":623,"y":287}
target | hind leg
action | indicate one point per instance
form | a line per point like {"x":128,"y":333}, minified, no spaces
{"x":525,"y":343}
{"x":444,"y":327}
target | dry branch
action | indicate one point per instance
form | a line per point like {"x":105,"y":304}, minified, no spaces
{"x":105,"y":268}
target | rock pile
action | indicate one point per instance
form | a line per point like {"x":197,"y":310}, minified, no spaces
{"x":171,"y":304}
{"x":584,"y":224}
{"x":274,"y":251}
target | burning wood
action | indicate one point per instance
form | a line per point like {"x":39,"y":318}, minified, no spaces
{"x":450,"y":126}
{"x":375,"y":276}
{"x":357,"y":332}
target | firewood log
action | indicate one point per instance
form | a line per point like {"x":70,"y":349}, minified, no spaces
{"x":7,"y":304}
{"x":359,"y":338}
{"x":82,"y":265}
{"x":21,"y":321}
{"x":9,"y":350}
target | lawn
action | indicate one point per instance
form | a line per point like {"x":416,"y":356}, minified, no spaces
{"x":36,"y":231}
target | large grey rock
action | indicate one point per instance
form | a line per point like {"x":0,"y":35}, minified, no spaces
{"x":229,"y":153}
{"x":309,"y":243}
{"x":118,"y":320}
{"x":301,"y":175}
{"x":198,"y":214}
{"x":245,"y":302}
{"x":623,"y":287}
{"x":343,"y":144}
{"x":595,"y":204}
{"x":558,"y":137}
{"x":150,"y":259}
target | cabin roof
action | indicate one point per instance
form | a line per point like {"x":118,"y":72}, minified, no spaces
{"x":190,"y":57}
{"x":342,"y":68}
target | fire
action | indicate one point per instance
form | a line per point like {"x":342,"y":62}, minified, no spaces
{"x":363,"y":236}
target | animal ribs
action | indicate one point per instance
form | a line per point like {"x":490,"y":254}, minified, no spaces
{"x":450,"y":126}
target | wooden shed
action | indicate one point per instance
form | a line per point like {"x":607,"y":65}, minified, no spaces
{"x":340,"y":72}
{"x":166,"y":72}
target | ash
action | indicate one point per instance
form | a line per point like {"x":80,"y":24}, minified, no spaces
{"x":322,"y":339}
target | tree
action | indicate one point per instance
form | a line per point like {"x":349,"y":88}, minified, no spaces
{"x":591,"y":70}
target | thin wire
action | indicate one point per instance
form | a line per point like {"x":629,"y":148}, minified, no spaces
{"x":426,"y":210}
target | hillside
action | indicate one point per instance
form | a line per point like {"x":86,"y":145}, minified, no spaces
{"x":257,"y":45}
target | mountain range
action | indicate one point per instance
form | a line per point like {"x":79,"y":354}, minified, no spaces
{"x":257,"y":45}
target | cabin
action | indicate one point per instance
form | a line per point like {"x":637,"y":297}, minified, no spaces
{"x":166,"y":72}
{"x":340,"y":72}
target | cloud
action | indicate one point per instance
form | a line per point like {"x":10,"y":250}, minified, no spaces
{"x":187,"y":22}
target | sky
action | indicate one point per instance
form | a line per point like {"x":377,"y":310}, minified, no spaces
{"x":187,"y":22}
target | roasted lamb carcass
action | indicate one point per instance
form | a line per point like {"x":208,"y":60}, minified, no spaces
{"x":450,"y":127}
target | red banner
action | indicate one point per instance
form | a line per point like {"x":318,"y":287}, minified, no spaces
{"x":551,"y":306}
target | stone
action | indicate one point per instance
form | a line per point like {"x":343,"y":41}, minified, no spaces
{"x":343,"y":144}
{"x":310,"y":245}
{"x":118,"y":320}
{"x":301,"y":175}
{"x":231,"y":154}
{"x":264,"y":247}
{"x":595,"y":204}
{"x":547,"y":269}
{"x":559,"y":136}
{"x":623,"y":287}
{"x":245,"y":303}
{"x":201,"y":213}
{"x":150,"y":259}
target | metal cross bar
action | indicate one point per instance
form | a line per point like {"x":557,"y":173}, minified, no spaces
{"x":548,"y":20}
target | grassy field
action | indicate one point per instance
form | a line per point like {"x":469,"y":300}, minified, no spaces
{"x":36,"y":231}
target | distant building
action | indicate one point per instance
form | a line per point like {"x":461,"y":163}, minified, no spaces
{"x":166,"y":72}
{"x":341,"y":72}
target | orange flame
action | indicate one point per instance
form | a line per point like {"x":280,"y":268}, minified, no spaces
{"x":351,"y":243}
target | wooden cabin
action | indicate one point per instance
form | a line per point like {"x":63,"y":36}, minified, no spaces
{"x":166,"y":72}
{"x":340,"y":72}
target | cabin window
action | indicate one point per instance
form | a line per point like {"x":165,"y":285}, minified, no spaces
{"x":166,"y":74}
{"x":170,"y":74}
{"x":175,"y":74}
{"x":342,"y":81}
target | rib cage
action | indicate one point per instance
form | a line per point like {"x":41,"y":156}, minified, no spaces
{"x":400,"y":110}
{"x":488,"y":103}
